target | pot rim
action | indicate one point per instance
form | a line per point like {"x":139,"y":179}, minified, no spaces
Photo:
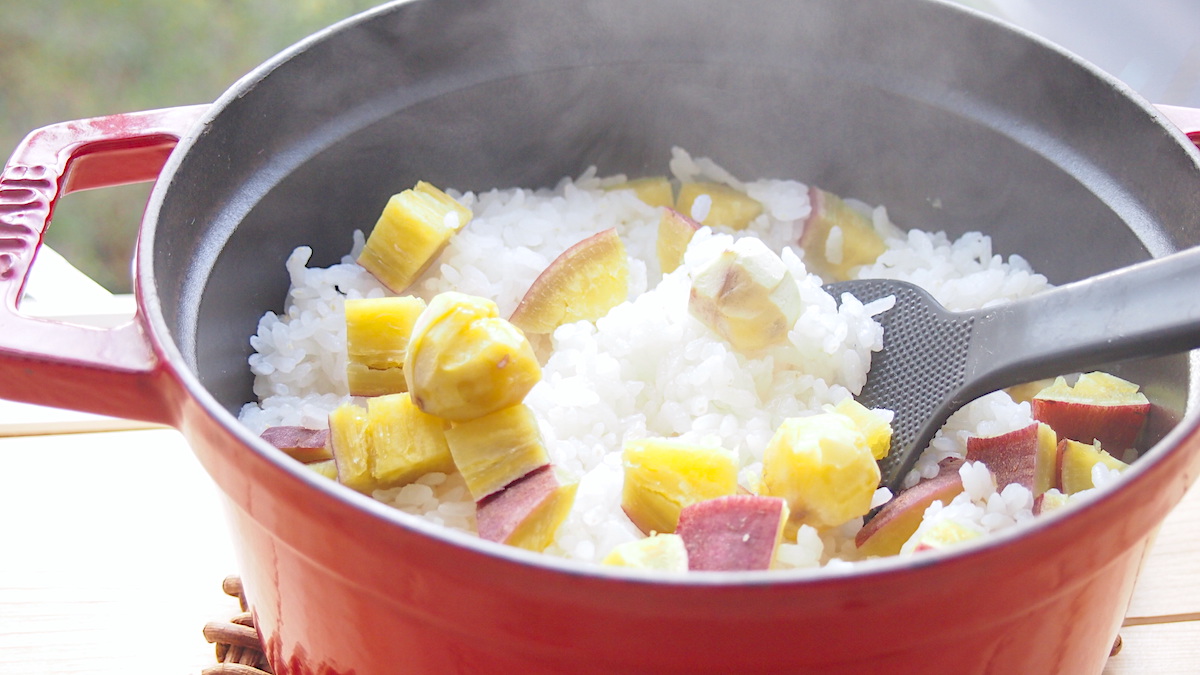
{"x":1043,"y":528}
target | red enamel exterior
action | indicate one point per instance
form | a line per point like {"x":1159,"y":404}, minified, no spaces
{"x":338,"y":586}
{"x":108,"y":371}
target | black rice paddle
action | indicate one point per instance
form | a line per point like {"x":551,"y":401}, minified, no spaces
{"x":934,"y":360}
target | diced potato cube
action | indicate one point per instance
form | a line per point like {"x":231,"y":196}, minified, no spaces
{"x":406,"y":442}
{"x":873,"y":425}
{"x":662,"y":476}
{"x":350,"y":441}
{"x":497,"y":449}
{"x":410,"y":234}
{"x":737,"y":532}
{"x":528,"y":513}
{"x":464,"y":361}
{"x":728,"y":208}
{"x":300,"y":443}
{"x":747,"y":295}
{"x":664,"y":552}
{"x":837,"y":238}
{"x":943,"y":533}
{"x":1075,"y":461}
{"x":1099,"y":407}
{"x":1048,"y":501}
{"x":581,"y":284}
{"x":327,"y":468}
{"x":653,"y":190}
{"x":1011,"y":456}
{"x":377,"y":333}
{"x":824,"y":468}
{"x":675,"y":232}
{"x":1045,"y":463}
{"x":899,"y":518}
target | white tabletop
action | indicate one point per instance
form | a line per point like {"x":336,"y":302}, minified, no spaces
{"x":114,"y":549}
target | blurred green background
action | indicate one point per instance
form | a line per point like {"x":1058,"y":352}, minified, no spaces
{"x":68,"y":59}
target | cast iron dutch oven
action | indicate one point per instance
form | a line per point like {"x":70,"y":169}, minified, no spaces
{"x":954,"y":121}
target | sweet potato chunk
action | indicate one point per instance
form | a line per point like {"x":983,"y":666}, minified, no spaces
{"x":738,"y":532}
{"x":1011,"y":457}
{"x":837,"y":239}
{"x":897,"y":520}
{"x":406,"y":443}
{"x":1099,"y":407}
{"x":945,"y":533}
{"x":824,"y":467}
{"x":350,"y":442}
{"x":727,"y":207}
{"x":300,"y":443}
{"x":662,"y":476}
{"x":675,"y":232}
{"x":664,"y":552}
{"x":1075,"y":462}
{"x":414,"y":228}
{"x":377,"y":333}
{"x":527,"y":513}
{"x":494,"y":450}
{"x":581,"y":284}
{"x":653,"y":190}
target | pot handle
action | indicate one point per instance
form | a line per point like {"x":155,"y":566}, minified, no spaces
{"x":108,"y":371}
{"x":1187,"y":119}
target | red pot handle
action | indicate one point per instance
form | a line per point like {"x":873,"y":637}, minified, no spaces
{"x":109,"y":371}
{"x":1187,"y":119}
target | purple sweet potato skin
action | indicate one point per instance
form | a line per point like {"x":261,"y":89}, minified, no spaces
{"x":944,"y":485}
{"x":1117,"y":427}
{"x":737,"y":532}
{"x":498,"y":515}
{"x":1011,"y":457}
{"x":301,"y":443}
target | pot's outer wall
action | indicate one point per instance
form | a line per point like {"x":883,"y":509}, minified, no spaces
{"x":951,"y":120}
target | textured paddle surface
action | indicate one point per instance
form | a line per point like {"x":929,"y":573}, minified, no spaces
{"x":921,"y":368}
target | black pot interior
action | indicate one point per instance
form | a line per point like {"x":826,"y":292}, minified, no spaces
{"x":954,"y":122}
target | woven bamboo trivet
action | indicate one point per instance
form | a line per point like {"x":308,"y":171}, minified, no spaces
{"x":239,"y":651}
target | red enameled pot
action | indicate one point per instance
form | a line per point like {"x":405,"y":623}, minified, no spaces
{"x":954,"y":121}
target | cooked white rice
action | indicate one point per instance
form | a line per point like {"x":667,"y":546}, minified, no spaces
{"x":648,"y":368}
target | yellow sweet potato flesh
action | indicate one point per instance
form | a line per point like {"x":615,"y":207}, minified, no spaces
{"x":527,"y":513}
{"x":944,"y":533}
{"x":824,"y":468}
{"x":350,"y":442}
{"x":406,"y":443}
{"x":412,"y":231}
{"x":1045,"y":464}
{"x":377,"y":334}
{"x":860,"y":244}
{"x":653,"y":190}
{"x":675,"y":232}
{"x":464,"y":361}
{"x":581,"y":284}
{"x":495,"y":450}
{"x":664,"y":552}
{"x":875,"y":428}
{"x":730,"y":208}
{"x":537,"y":531}
{"x":1076,"y":461}
{"x":662,"y":476}
{"x":326,"y":468}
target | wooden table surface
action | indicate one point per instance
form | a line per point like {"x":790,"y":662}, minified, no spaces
{"x":114,"y":547}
